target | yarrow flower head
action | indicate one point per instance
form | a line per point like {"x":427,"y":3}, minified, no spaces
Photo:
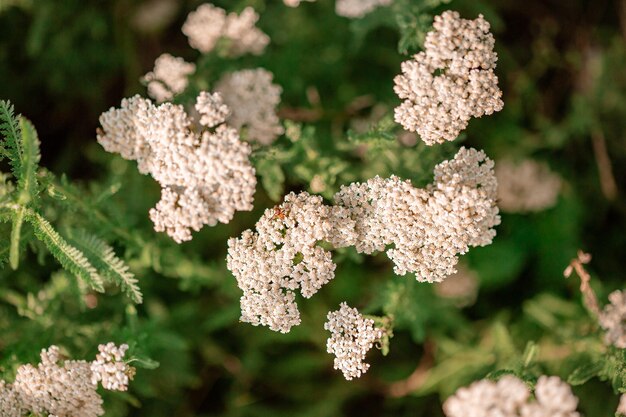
{"x":63,"y":388}
{"x":428,"y":227}
{"x":526,"y":186}
{"x":253,"y":100}
{"x":168,"y":78}
{"x":451,"y":81}
{"x":205,"y":175}
{"x":351,"y":337}
{"x":356,"y":9}
{"x":208,"y":24}
{"x":510,"y":397}
{"x":613,"y":319}
{"x":110,"y":369}
{"x":284,"y":255}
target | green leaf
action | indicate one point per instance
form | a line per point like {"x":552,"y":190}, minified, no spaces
{"x":5,"y":242}
{"x":16,"y":233}
{"x":10,"y":130}
{"x":380,"y":133}
{"x":108,"y":265}
{"x":585,"y":372}
{"x":529,"y":355}
{"x":144,"y":362}
{"x":68,"y":256}
{"x":272,"y":178}
{"x":74,"y":198}
{"x":27,"y":179}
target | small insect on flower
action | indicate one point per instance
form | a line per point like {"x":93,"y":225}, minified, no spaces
{"x":279,"y":213}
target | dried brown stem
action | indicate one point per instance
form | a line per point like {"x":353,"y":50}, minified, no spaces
{"x":589,"y":297}
{"x":605,"y":169}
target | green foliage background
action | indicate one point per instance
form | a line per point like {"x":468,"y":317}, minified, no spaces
{"x":62,"y":63}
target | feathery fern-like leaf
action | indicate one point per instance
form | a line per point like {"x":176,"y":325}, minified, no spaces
{"x":73,"y":197}
{"x":109,"y":266}
{"x":10,"y":130}
{"x":27,"y":179}
{"x":68,"y":256}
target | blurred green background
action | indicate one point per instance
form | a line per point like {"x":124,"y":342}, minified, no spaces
{"x":562,"y":71}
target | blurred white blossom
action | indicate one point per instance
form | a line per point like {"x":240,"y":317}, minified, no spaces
{"x":294,"y":3}
{"x":613,"y":319}
{"x":460,"y":287}
{"x":208,"y":24}
{"x":451,"y":81}
{"x":168,"y":78}
{"x":253,"y":99}
{"x":621,"y":408}
{"x":510,"y":397}
{"x":355,"y":9}
{"x":154,"y":15}
{"x":526,"y":186}
{"x":351,"y":337}
{"x":205,"y":176}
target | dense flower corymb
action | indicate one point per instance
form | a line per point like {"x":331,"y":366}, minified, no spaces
{"x":253,"y":100}
{"x":283,"y":255}
{"x":208,"y":24}
{"x":510,"y":397}
{"x":168,"y":78}
{"x":428,"y":227}
{"x":351,"y":337}
{"x":451,"y":81}
{"x":205,"y":175}
{"x":65,"y":388}
{"x":526,"y":186}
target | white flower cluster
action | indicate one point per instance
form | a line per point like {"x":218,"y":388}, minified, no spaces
{"x":356,"y":9}
{"x":168,"y":78}
{"x":67,"y":389}
{"x":109,"y":367}
{"x":613,"y":319}
{"x":351,"y":337}
{"x":526,"y":186}
{"x":208,"y":24}
{"x":205,"y":175}
{"x":253,"y":100}
{"x":510,"y":397}
{"x":429,"y":228}
{"x":283,"y":256}
{"x":451,"y":81}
